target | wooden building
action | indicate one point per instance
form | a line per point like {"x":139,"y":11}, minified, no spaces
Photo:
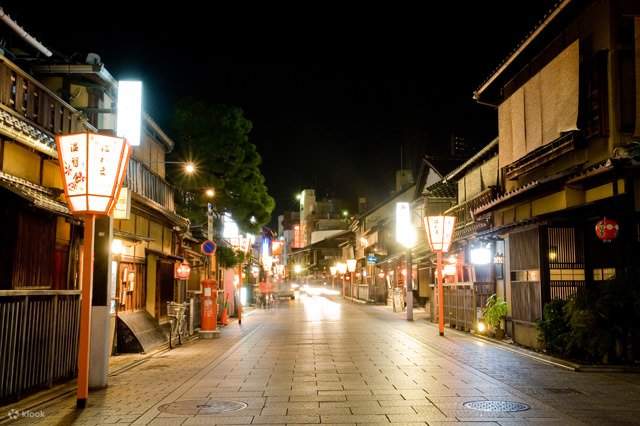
{"x":569,"y":126}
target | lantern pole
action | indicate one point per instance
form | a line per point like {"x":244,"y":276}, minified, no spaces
{"x":440,"y":293}
{"x":85,"y":311}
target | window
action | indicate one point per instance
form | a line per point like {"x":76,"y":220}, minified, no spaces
{"x":604,"y":274}
{"x":567,"y":274}
{"x":530,"y":275}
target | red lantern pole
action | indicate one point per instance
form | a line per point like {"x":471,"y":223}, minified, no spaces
{"x":85,"y":312}
{"x":440,"y":293}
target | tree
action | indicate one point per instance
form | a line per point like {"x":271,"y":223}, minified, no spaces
{"x":216,"y":139}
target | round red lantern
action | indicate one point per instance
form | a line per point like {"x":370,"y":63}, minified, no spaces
{"x":607,"y":229}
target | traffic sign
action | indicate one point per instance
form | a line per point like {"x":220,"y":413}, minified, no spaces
{"x":208,"y":247}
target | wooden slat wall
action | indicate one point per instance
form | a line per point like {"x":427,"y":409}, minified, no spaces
{"x":524,"y":251}
{"x":142,"y":181}
{"x":38,"y":342}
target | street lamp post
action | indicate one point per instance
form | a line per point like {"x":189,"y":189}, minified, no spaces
{"x":342,"y":269}
{"x":351,"y":267}
{"x":439,"y":232}
{"x":406,"y":237}
{"x":333,"y":270}
{"x":92,"y":167}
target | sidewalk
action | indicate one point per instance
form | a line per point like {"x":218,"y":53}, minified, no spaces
{"x":118,"y":364}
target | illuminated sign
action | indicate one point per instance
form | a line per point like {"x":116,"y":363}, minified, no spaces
{"x":129,"y":111}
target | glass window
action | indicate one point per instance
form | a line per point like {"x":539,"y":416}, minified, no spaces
{"x":604,"y":274}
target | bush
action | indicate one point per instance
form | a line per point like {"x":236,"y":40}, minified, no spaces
{"x":553,"y":327}
{"x":495,"y":311}
{"x":599,"y":324}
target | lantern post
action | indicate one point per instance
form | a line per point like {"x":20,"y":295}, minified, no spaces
{"x":93,"y":167}
{"x":334,"y":271}
{"x":406,"y":237}
{"x":351,"y":267}
{"x":439,"y":232}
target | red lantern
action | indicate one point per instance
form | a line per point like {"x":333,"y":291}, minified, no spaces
{"x":607,"y":229}
{"x":182,"y":271}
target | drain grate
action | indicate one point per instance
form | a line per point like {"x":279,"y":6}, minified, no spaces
{"x":195,"y":407}
{"x":496,"y":406}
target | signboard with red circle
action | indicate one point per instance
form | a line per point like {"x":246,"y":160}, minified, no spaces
{"x":208,"y":247}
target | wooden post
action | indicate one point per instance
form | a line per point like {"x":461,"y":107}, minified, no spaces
{"x":85,"y":312}
{"x":440,"y":294}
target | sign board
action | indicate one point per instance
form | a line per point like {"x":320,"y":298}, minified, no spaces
{"x":372,"y":259}
{"x":129,"y":119}
{"x":208,"y":247}
{"x":122,"y":210}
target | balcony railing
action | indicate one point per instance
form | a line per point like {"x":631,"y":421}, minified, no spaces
{"x":144,"y":182}
{"x":38,"y":339}
{"x":31,"y":112}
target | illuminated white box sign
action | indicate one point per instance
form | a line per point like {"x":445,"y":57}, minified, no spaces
{"x":130,"y":111}
{"x":93,"y":168}
{"x":405,"y":232}
{"x":122,"y":209}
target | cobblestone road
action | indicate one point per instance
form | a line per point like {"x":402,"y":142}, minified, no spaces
{"x":316,"y":360}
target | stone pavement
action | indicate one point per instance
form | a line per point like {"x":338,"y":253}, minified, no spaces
{"x":316,"y":360}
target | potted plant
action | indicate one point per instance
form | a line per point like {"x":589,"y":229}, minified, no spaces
{"x":495,"y":312}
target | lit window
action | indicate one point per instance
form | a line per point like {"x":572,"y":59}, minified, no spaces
{"x":604,"y":274}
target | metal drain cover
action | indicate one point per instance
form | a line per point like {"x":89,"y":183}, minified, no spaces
{"x":199,"y":406}
{"x":496,"y":406}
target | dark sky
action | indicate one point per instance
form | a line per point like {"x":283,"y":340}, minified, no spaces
{"x":333,"y":92}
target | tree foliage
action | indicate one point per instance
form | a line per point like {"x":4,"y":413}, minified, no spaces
{"x":216,"y":139}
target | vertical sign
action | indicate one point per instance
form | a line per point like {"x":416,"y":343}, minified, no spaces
{"x":129,"y":111}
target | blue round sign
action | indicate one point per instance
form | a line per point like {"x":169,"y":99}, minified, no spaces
{"x":208,"y":247}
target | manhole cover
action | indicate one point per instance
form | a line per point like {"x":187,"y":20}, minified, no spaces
{"x":496,"y":406}
{"x":194,"y":407}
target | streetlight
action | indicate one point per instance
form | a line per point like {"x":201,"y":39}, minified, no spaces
{"x":351,"y":267}
{"x":101,"y":161}
{"x":210,"y":193}
{"x":334,"y":271}
{"x":297,"y":268}
{"x":406,"y":237}
{"x":189,"y":166}
{"x":342,"y":269}
{"x":439,"y":232}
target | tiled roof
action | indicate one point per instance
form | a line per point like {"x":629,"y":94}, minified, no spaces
{"x":38,"y":195}
{"x":442,"y":189}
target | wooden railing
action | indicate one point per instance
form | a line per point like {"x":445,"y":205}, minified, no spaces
{"x":38,"y":339}
{"x":144,"y":182}
{"x":41,"y":112}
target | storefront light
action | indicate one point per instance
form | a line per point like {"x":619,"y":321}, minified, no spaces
{"x":117,"y":247}
{"x":480,"y":256}
{"x":449,"y":270}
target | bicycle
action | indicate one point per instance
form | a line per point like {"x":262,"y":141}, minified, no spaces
{"x":177,"y":313}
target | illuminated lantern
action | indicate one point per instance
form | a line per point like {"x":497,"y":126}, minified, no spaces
{"x":333,"y":270}
{"x":607,"y":229}
{"x":439,"y":232}
{"x":182,"y":271}
{"x":351,"y":265}
{"x":93,"y":168}
{"x":342,"y":268}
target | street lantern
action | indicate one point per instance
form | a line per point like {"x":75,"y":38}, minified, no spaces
{"x":342,"y":268}
{"x":182,"y":270}
{"x":333,"y":270}
{"x":439,"y":232}
{"x":92,"y":168}
{"x":351,"y":265}
{"x":406,"y":237}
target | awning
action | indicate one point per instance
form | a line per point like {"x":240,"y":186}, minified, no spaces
{"x":37,"y":195}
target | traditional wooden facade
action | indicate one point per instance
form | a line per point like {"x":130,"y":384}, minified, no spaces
{"x":40,"y":242}
{"x":569,"y":126}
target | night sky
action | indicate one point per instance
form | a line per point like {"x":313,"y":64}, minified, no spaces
{"x":333,"y":93}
